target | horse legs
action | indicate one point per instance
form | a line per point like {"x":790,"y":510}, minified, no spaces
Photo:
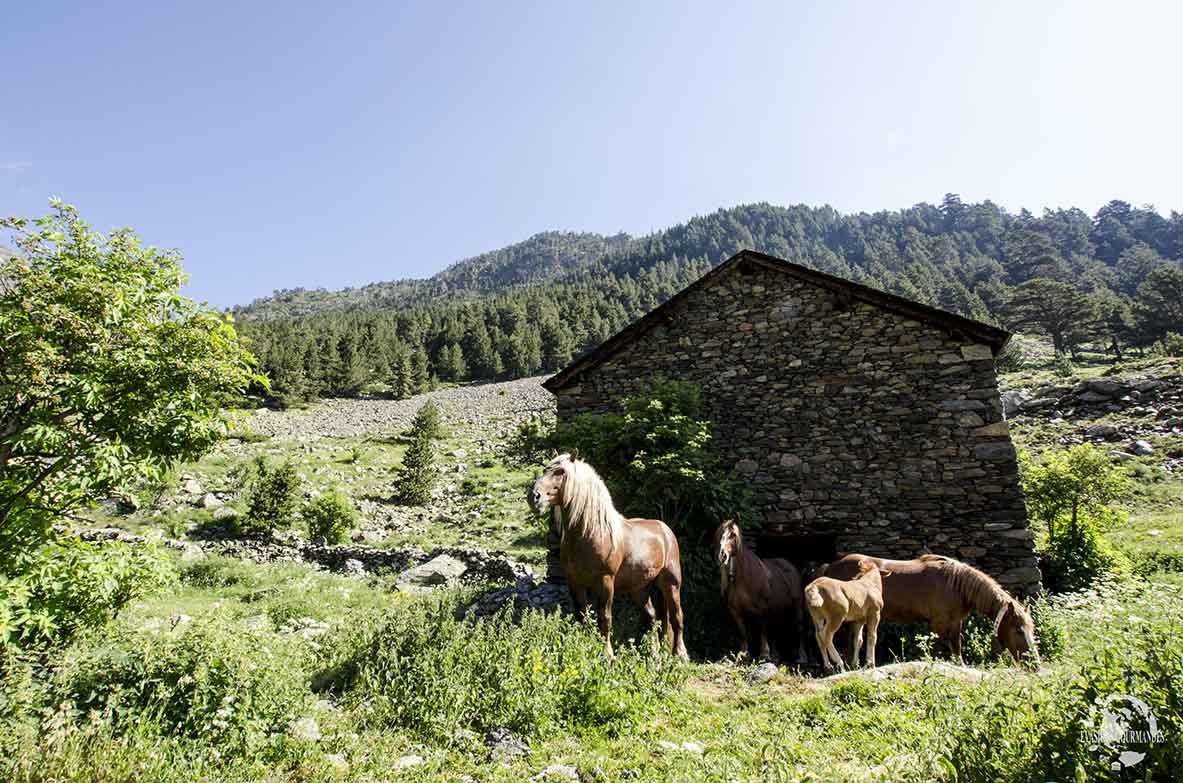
{"x":579,"y":601}
{"x":955,"y":643}
{"x":950,"y":635}
{"x":857,"y":634}
{"x":604,"y":613}
{"x":765,"y":652}
{"x":872,"y":637}
{"x":644,"y":599}
{"x":741,"y":626}
{"x":659,"y":604}
{"x":825,"y":643}
{"x":672,"y":597}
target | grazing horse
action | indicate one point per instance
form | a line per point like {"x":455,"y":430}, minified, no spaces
{"x":943,"y":592}
{"x":859,"y":601}
{"x":602,"y":552}
{"x":762,"y":590}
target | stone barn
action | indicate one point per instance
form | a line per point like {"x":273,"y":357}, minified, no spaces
{"x":864,"y":421}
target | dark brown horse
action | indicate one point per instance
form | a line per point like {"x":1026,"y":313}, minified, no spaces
{"x":757,"y":591}
{"x":603,"y":553}
{"x":943,"y":592}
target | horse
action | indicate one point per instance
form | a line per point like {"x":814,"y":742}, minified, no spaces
{"x":602,"y":552}
{"x":763,"y":590}
{"x":943,"y":592}
{"x":859,"y":601}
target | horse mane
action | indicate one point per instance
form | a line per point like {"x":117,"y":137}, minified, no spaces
{"x":980,"y":590}
{"x":587,"y":505}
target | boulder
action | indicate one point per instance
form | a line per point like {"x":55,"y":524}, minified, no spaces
{"x":1105,"y":387}
{"x":1013,"y":400}
{"x":191,"y":486}
{"x":503,"y":744}
{"x":1092,"y":397}
{"x":1101,"y":430}
{"x":210,"y":501}
{"x":1037,"y":403}
{"x":223,"y":513}
{"x":439,"y":571}
{"x":762,"y":674}
{"x":367,"y":536}
{"x":1141,"y":448}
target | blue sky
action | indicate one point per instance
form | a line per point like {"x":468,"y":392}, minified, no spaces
{"x":334,"y":144}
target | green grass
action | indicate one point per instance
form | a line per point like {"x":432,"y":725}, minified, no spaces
{"x":383,"y":650}
{"x":634,"y":720}
{"x":364,"y":469}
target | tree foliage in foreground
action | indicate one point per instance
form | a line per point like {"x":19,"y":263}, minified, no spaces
{"x":1068,"y":496}
{"x":107,"y":373}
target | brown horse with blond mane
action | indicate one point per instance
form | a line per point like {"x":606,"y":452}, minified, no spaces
{"x":602,"y":552}
{"x":758,"y":592}
{"x":943,"y":592}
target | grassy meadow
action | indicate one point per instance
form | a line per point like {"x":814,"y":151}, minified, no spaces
{"x":237,"y":671}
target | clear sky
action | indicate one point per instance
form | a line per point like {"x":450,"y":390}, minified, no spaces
{"x":334,"y":144}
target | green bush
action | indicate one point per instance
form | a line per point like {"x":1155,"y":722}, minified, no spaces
{"x":213,"y":681}
{"x":1025,"y":735}
{"x":331,"y":516}
{"x":532,"y":442}
{"x":1062,"y":367}
{"x":271,"y":498}
{"x":657,"y":460}
{"x":71,"y":586}
{"x":426,"y":671}
{"x":1171,"y":345}
{"x":1011,"y":358}
{"x":1067,"y":495}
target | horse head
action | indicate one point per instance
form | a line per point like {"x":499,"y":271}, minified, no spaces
{"x":728,"y":542}
{"x":1014,"y":631}
{"x":548,"y":488}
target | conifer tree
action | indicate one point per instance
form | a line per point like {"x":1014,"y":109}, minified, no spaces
{"x":420,"y":371}
{"x":401,"y":381}
{"x":417,"y":474}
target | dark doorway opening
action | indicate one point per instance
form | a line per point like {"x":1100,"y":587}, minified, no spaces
{"x":807,"y":551}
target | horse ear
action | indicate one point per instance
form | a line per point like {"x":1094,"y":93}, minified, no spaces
{"x":574,"y":454}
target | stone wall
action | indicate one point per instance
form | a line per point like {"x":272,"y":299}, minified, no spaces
{"x":847,"y":418}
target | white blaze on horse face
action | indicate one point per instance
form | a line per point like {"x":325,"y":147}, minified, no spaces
{"x":549,"y":485}
{"x":724,"y":553}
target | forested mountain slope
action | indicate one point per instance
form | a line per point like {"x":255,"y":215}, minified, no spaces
{"x":540,"y":257}
{"x":1114,"y":278}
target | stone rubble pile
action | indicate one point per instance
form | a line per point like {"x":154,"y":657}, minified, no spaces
{"x":528,"y":592}
{"x":1157,"y":399}
{"x":418,"y":568}
{"x":490,"y":411}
